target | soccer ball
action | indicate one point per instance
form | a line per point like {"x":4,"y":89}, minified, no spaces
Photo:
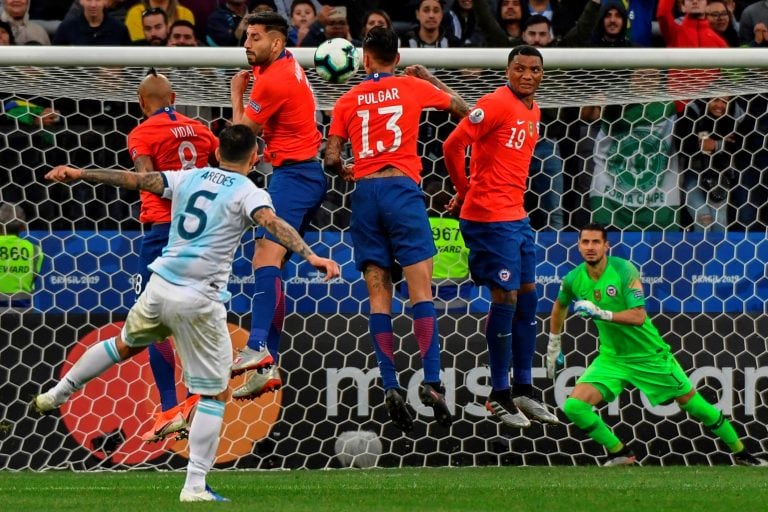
{"x":336,"y":60}
{"x":358,"y":448}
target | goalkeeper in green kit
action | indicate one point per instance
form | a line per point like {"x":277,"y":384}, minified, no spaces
{"x":608,"y":290}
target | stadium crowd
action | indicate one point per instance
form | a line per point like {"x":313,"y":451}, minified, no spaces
{"x":714,"y":181}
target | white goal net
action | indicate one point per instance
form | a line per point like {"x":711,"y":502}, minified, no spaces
{"x":613,"y":149}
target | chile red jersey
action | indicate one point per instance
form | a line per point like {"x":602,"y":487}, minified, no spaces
{"x":503,"y":132}
{"x":380,"y":116}
{"x":283,"y":103}
{"x":173,"y":142}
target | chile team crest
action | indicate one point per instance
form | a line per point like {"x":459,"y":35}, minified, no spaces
{"x":504,"y":275}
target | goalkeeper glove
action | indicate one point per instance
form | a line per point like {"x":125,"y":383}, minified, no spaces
{"x":555,"y":357}
{"x":588,"y":310}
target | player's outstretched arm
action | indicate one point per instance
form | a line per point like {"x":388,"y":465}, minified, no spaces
{"x":291,"y":238}
{"x":152,"y":181}
{"x":458,"y":106}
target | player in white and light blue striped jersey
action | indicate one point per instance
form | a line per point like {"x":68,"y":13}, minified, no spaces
{"x":186,"y":293}
{"x":211,"y":210}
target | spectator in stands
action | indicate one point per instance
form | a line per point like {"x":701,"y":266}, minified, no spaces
{"x":262,"y":6}
{"x":461,"y":23}
{"x":375,"y":18}
{"x":708,"y":137}
{"x":93,"y":27}
{"x":751,"y":16}
{"x":115,"y":8}
{"x":428,"y":32}
{"x":154,"y":24}
{"x":693,"y":31}
{"x":331,"y":22}
{"x":182,"y":33}
{"x":506,"y":29}
{"x":721,"y":21}
{"x":201,"y":10}
{"x":562,"y":15}
{"x":172,"y":8}
{"x":611,"y":28}
{"x":6,"y":34}
{"x":24,"y":31}
{"x":303,"y":15}
{"x":20,"y":259}
{"x":760,"y":39}
{"x":227,"y":24}
{"x":635,"y":180}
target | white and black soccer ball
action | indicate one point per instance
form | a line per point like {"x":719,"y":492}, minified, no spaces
{"x":336,"y":60}
{"x":358,"y":448}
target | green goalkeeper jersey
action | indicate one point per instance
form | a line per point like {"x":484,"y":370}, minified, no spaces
{"x":612,"y":293}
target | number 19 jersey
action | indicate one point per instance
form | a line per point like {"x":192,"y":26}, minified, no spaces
{"x":380,"y":117}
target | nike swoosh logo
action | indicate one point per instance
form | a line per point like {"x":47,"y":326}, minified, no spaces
{"x":521,"y":122}
{"x":502,"y":335}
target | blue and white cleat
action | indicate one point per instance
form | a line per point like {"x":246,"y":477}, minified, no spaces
{"x":206,"y":494}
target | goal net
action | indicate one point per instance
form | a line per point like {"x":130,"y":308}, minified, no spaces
{"x":612,"y":148}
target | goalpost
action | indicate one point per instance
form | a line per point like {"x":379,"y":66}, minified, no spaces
{"x":706,"y":291}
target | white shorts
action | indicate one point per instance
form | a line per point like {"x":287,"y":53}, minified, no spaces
{"x":199,"y":328}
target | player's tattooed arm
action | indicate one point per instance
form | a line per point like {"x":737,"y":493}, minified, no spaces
{"x":458,"y":107}
{"x":152,"y":181}
{"x":333,"y":160}
{"x":283,"y":231}
{"x":143,"y":163}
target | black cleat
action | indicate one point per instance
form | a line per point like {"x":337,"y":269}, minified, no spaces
{"x":433,"y":395}
{"x":399,"y":411}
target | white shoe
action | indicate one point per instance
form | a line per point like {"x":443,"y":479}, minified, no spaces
{"x":44,"y":403}
{"x":535,"y":410}
{"x":500,"y":404}
{"x":200,"y":494}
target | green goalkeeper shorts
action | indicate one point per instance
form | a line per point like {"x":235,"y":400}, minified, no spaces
{"x":659,"y":378}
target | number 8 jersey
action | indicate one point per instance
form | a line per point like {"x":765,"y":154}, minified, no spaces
{"x":211,"y":210}
{"x":173,"y":141}
{"x":380,"y":117}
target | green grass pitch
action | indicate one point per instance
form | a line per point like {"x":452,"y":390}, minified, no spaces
{"x":540,"y":489}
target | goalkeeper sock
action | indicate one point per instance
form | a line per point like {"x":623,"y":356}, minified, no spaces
{"x":203,"y":440}
{"x":713,"y":419}
{"x":267,"y":281}
{"x":276,"y":327}
{"x":380,"y":326}
{"x":425,"y":330}
{"x":163,"y":365}
{"x":524,"y":337}
{"x":498,"y":334}
{"x":95,"y":361}
{"x":583,"y":416}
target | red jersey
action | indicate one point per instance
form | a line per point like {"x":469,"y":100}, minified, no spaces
{"x":283,"y":103}
{"x":173,"y":141}
{"x":503,"y":132}
{"x":380,"y":116}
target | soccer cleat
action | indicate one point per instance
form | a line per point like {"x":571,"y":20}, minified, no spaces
{"x":744,"y":458}
{"x":500,"y":404}
{"x":434,"y":397}
{"x":173,"y":421}
{"x":167,"y":423}
{"x":200,"y":494}
{"x":624,"y":457}
{"x":249,"y":359}
{"x":535,"y":410}
{"x":43,"y":404}
{"x":258,"y":383}
{"x":399,"y":411}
